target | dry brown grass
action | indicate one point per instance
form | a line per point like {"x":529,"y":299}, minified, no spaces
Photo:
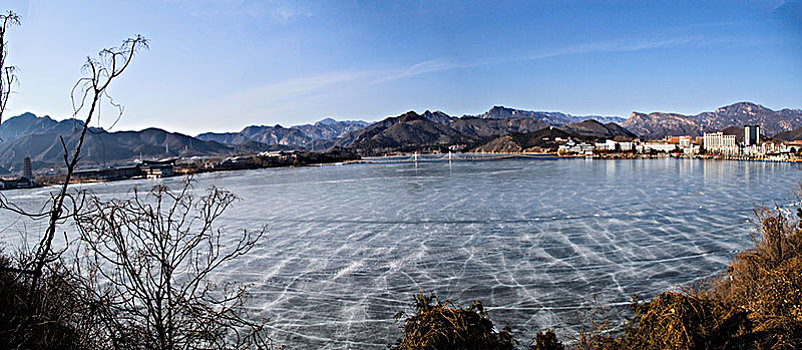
{"x":437,"y":324}
{"x":755,"y":304}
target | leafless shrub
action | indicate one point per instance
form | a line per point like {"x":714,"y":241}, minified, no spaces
{"x":58,"y":315}
{"x":152,"y":257}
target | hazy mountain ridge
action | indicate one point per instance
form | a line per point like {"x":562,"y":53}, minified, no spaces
{"x":542,"y":140}
{"x":551,"y":118}
{"x":408,"y":129}
{"x":425,"y":132}
{"x":594,"y":128}
{"x":657,"y":125}
{"x":39,"y":138}
{"x":326,"y":133}
{"x":791,"y":135}
{"x":298,"y":135}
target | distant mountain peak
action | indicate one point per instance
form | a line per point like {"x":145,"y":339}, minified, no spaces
{"x":327,"y":121}
{"x":409,"y":114}
{"x":591,"y":122}
{"x":742,"y":106}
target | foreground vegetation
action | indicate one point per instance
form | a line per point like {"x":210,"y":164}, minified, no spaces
{"x":755,"y":304}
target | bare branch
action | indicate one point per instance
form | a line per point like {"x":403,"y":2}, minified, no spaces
{"x":7,"y":73}
{"x":157,"y":253}
{"x":110,"y":64}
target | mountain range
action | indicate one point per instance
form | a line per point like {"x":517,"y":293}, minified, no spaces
{"x":542,"y":140}
{"x":436,"y":131}
{"x":792,"y":135}
{"x":551,"y":118}
{"x":298,"y":135}
{"x":38,"y":137}
{"x":658,"y":125}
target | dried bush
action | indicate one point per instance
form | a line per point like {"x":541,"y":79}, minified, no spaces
{"x":437,"y":325}
{"x":680,"y":321}
{"x":58,"y":315}
{"x":152,"y":259}
{"x":547,"y":340}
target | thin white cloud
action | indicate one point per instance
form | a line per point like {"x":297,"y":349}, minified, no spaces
{"x":279,"y":11}
{"x":293,"y":88}
{"x":428,"y":66}
{"x":612,"y":46}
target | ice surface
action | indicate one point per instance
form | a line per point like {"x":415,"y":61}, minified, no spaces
{"x":534,"y":240}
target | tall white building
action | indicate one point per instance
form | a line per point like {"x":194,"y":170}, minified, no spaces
{"x":751,"y":135}
{"x":717,"y":142}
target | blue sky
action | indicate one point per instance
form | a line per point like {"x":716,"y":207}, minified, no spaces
{"x":221,"y":65}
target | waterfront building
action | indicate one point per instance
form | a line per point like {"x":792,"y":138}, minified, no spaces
{"x":658,"y":147}
{"x":158,"y":169}
{"x":691,"y":150}
{"x":9,"y":183}
{"x":625,"y":146}
{"x":718,"y":142}
{"x":579,"y":148}
{"x":684,"y":141}
{"x":753,"y":150}
{"x":607,"y":145}
{"x":97,"y":174}
{"x":751,"y":135}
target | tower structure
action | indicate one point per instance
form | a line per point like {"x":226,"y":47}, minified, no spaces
{"x":27,"y":172}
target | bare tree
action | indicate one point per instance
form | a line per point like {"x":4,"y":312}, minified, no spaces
{"x":87,"y":94}
{"x":152,"y":258}
{"x":41,"y":317}
{"x":7,"y":72}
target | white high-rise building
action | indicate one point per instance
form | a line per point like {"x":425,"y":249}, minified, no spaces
{"x":751,"y":135}
{"x":717,"y":142}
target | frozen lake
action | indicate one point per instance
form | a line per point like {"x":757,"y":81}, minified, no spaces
{"x":534,"y":240}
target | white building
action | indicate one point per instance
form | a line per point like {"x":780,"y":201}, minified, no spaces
{"x":607,"y":145}
{"x":751,"y":135}
{"x":684,"y":141}
{"x":578,"y":148}
{"x":657,"y":147}
{"x":717,"y":142}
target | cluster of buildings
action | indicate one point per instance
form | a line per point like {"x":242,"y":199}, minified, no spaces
{"x":720,"y":144}
{"x":155,"y":169}
{"x":140,"y":169}
{"x":24,"y":181}
{"x":716,"y":144}
{"x":636,"y":146}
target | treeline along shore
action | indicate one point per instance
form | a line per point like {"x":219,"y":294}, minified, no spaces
{"x":154,"y":169}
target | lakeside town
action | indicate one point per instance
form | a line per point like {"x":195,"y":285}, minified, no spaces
{"x":714,"y":145}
